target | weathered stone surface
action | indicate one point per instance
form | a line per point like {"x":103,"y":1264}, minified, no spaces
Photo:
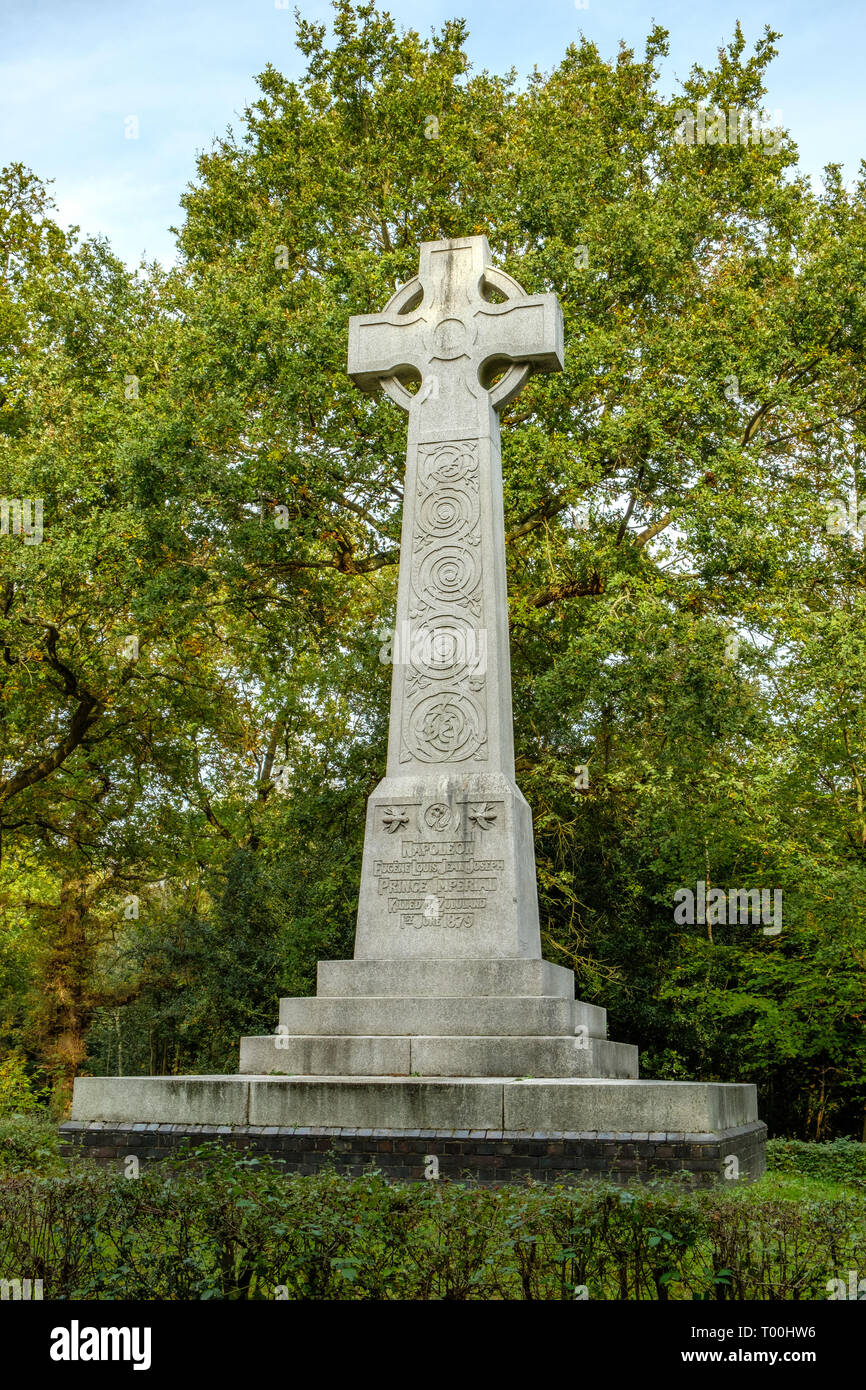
{"x":167,"y":1099}
{"x":536,"y":1106}
{"x":611,"y":1106}
{"x":471,"y":979}
{"x":333,"y":1055}
{"x":326,"y":1056}
{"x":418,"y":1016}
{"x":390,"y":1103}
{"x":523,"y":1056}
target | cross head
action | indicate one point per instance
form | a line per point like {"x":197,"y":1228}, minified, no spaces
{"x":454,"y":328}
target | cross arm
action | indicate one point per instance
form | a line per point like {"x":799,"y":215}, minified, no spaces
{"x":528,"y":329}
{"x":384,"y":345}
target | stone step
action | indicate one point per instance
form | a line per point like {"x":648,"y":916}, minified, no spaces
{"x":523,"y":1056}
{"x":436,"y":1056}
{"x":461,"y":1017}
{"x":443,"y":978}
{"x":334,"y":1055}
{"x":545,"y":1105}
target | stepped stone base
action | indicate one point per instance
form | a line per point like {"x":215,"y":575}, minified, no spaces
{"x":473,"y":1018}
{"x":470,"y":1053}
{"x":488,"y":1157}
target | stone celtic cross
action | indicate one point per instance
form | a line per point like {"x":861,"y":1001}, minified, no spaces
{"x":449,"y":866}
{"x":448,"y":1019}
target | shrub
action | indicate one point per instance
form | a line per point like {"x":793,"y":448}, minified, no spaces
{"x":213,"y":1224}
{"x":841,"y":1160}
{"x":29,"y":1143}
{"x":17,"y":1092}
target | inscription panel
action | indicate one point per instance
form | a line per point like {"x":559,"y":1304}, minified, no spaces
{"x":429,"y":879}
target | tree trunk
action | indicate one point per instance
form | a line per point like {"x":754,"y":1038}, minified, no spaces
{"x":67,"y":998}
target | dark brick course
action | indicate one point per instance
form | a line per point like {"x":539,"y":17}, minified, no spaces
{"x":489,"y":1157}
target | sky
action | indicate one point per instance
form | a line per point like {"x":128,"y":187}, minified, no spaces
{"x":113,"y":99}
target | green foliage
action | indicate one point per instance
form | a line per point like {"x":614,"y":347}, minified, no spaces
{"x":29,"y":1143}
{"x":840,"y":1160}
{"x":18,"y":1092}
{"x":215,"y":1225}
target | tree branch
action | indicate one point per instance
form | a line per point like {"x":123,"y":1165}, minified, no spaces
{"x":571,"y":588}
{"x":85,"y":716}
{"x":536,"y":518}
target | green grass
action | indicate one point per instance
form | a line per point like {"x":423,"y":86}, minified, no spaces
{"x":801,"y":1187}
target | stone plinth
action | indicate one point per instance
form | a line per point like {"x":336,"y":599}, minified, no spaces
{"x":518,"y":1078}
{"x":430,"y":1034}
{"x":508,"y":1075}
{"x":531,"y":1106}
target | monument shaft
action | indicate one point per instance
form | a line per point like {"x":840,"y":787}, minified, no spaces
{"x":449,"y":865}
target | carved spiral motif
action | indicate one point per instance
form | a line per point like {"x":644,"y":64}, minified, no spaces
{"x":447,"y":727}
{"x":448,"y":574}
{"x":444,"y":717}
{"x":448,"y":511}
{"x":447,"y":648}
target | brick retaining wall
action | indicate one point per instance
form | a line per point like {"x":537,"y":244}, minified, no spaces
{"x":484,"y":1156}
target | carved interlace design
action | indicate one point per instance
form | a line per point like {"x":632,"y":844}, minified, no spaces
{"x":445,"y":695}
